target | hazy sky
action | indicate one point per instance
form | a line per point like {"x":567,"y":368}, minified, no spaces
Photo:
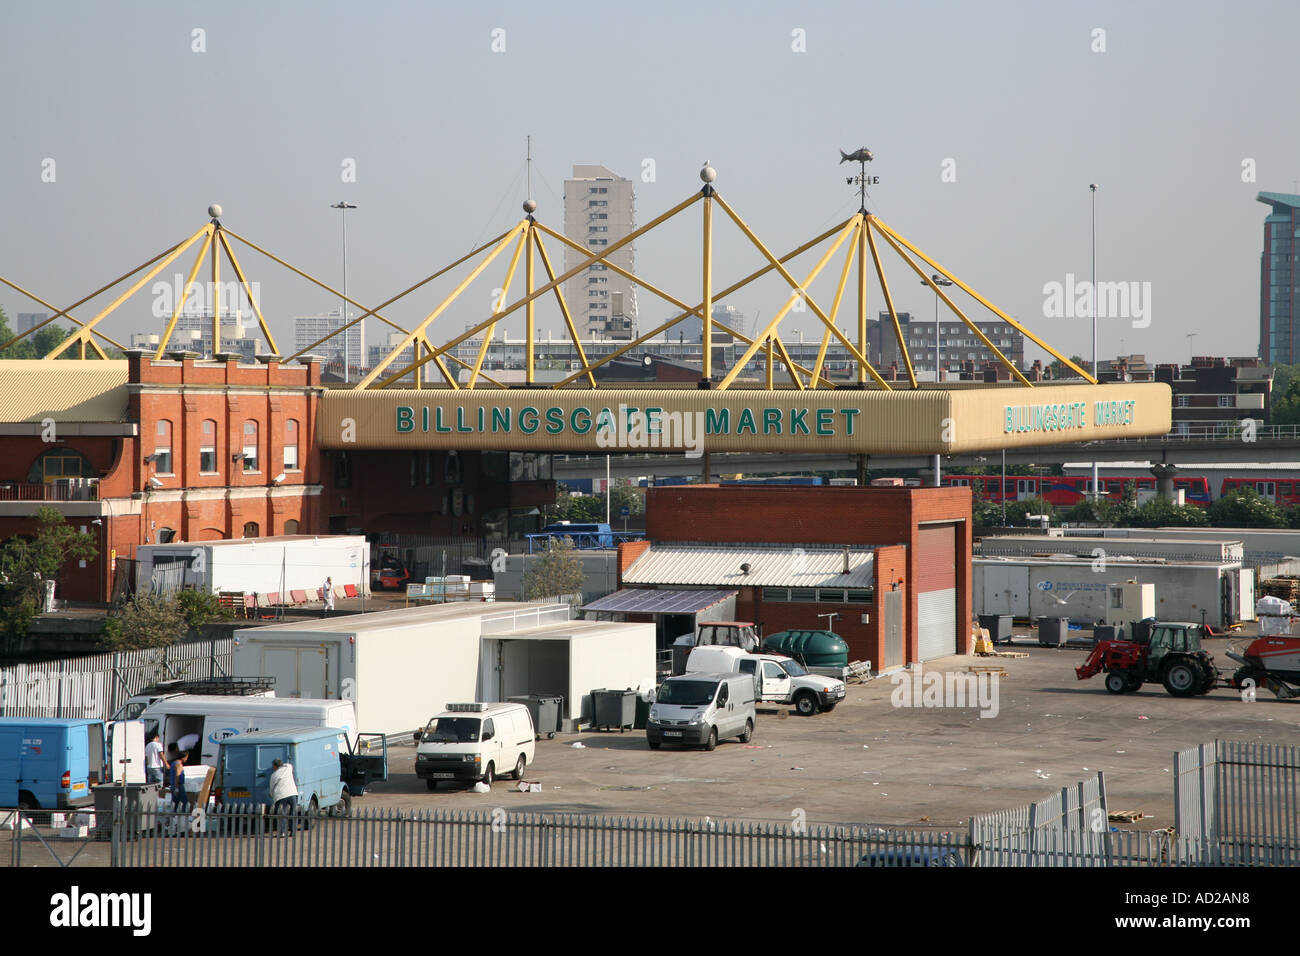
{"x":144,"y":132}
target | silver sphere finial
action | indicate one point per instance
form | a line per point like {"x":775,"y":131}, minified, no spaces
{"x":708,"y":173}
{"x":530,"y":206}
{"x":214,"y":211}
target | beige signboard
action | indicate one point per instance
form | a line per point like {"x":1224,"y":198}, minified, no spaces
{"x":926,"y":421}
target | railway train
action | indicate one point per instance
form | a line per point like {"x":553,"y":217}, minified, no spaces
{"x":1066,"y":490}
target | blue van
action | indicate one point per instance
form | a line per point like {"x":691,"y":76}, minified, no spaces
{"x":244,"y":768}
{"x":50,"y":763}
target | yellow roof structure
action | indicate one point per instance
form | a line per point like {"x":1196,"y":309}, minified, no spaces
{"x":32,"y":390}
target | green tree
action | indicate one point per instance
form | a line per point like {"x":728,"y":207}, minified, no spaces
{"x":1161,"y":512}
{"x":33,"y":346}
{"x":1244,"y":508}
{"x":201,"y":607}
{"x":1285,"y":410}
{"x":26,"y":561}
{"x":144,"y":621}
{"x":557,"y":571}
{"x":1019,"y":511}
{"x":1059,"y":369}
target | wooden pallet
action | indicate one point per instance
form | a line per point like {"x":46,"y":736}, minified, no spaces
{"x":1126,"y":816}
{"x":859,"y":671}
{"x":997,"y":669}
{"x":1011,"y":655}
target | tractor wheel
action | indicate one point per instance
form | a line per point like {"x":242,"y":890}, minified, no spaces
{"x":1116,"y":682}
{"x":1182,"y":677}
{"x":1210,"y":677}
{"x":1134,"y":679}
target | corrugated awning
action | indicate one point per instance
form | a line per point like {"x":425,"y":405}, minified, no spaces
{"x":653,"y":601}
{"x":32,"y":390}
{"x":771,"y":566}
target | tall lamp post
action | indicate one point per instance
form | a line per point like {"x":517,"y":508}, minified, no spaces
{"x":343,"y":207}
{"x":938,"y":280}
{"x":1092,"y":189}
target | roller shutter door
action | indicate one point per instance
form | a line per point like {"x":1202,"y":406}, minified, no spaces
{"x":936,"y":583}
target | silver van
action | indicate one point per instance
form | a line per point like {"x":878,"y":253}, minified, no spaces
{"x":701,"y":709}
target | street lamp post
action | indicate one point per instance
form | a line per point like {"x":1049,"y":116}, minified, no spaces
{"x":343,"y":207}
{"x":1092,"y":189}
{"x":938,"y":280}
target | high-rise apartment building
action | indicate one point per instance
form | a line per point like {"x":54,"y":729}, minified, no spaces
{"x":308,"y":329}
{"x":599,"y":209}
{"x":1279,"y":286}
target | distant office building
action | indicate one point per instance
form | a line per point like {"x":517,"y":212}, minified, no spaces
{"x":1279,"y":286}
{"x":691,"y":328}
{"x":29,"y":320}
{"x":958,"y":345}
{"x":599,"y":210}
{"x":308,"y":329}
{"x":193,"y":332}
{"x":377,"y":353}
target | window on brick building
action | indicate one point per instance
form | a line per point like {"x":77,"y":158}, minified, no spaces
{"x":250,"y":446}
{"x":208,"y":447}
{"x":162,"y":448}
{"x":291,"y":445}
{"x":291,"y":527}
{"x":251,"y":530}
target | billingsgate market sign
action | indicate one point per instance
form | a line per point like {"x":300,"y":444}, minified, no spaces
{"x":852,"y":421}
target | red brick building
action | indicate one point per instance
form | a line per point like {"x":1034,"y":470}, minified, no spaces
{"x":149,"y":452}
{"x":922,"y":563}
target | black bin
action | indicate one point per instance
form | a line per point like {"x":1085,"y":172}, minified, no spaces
{"x":1108,"y":632}
{"x":1053,"y":631}
{"x":548,"y":712}
{"x":998,"y":626}
{"x":139,"y":806}
{"x":613,"y":708}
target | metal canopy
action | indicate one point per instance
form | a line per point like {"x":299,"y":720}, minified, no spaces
{"x":651,"y":601}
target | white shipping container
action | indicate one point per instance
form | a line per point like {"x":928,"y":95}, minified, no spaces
{"x":1260,"y":546}
{"x":279,"y":565}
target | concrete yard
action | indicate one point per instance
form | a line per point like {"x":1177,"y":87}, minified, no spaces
{"x":869,"y":762}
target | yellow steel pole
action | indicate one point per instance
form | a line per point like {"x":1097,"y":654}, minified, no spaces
{"x":496,"y":307}
{"x":862,"y":300}
{"x":248,"y":290}
{"x":37,"y":299}
{"x":135,"y":287}
{"x":756,"y":274}
{"x":373,"y":374}
{"x":483,"y":375}
{"x":889,"y":304}
{"x":63,"y":313}
{"x":529,"y":321}
{"x":98,"y":351}
{"x":185,"y":294}
{"x":708,"y":288}
{"x":369,"y":312}
{"x":888,"y":233}
{"x":768,"y":350}
{"x":789,"y":364}
{"x":1011,"y":366}
{"x":796,"y":291}
{"x":564,"y":306}
{"x":812,"y":304}
{"x":835,"y":305}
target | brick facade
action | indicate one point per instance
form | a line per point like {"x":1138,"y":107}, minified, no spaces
{"x":856,"y":516}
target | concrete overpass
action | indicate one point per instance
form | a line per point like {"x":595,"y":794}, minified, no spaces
{"x":1271,"y":443}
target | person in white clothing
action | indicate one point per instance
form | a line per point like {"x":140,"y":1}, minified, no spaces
{"x":154,"y":765}
{"x":328,"y":593}
{"x":283,"y":792}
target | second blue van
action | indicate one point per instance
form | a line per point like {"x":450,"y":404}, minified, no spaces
{"x":244,"y":768}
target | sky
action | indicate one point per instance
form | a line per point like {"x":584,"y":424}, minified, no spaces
{"x":120,"y":123}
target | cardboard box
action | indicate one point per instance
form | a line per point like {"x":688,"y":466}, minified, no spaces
{"x":74,"y":833}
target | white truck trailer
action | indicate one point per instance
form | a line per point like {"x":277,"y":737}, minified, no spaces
{"x":398,"y":666}
{"x":274,"y":566}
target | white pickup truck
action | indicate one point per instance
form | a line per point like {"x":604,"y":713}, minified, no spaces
{"x":777,"y":679}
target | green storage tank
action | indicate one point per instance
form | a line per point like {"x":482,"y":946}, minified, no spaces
{"x":810,"y":648}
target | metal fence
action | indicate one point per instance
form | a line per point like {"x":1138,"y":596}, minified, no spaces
{"x":94,"y":687}
{"x":1072,"y":822}
{"x":1241,"y":801}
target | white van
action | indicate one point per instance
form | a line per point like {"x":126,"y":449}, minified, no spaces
{"x":213,"y":718}
{"x":777,"y":679}
{"x":470,"y":742}
{"x":702,"y":709}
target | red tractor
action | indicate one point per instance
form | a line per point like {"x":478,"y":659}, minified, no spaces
{"x":1163,"y":653}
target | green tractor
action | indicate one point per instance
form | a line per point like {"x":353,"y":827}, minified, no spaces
{"x":1160,"y":653}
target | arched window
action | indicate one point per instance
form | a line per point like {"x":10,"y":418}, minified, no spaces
{"x":166,"y":535}
{"x":208,"y":447}
{"x":251,"y":530}
{"x":291,"y":526}
{"x":162,"y":448}
{"x":60,"y":463}
{"x":291,"y":445}
{"x":250,"y":446}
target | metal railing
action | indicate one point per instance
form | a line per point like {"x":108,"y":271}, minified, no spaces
{"x":1070,"y":822}
{"x":583,"y":540}
{"x":70,"y":489}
